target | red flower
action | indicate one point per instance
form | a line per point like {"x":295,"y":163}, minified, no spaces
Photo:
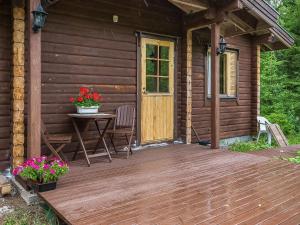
{"x":80,"y":99}
{"x":72,"y":99}
{"x":96,"y":96}
{"x":88,"y":96}
{"x":83,"y":91}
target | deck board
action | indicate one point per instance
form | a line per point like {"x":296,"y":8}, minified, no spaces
{"x":179,"y":184}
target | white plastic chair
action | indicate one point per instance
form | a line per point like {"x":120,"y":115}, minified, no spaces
{"x":263,"y":128}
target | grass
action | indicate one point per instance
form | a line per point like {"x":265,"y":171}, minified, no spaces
{"x":294,"y":139}
{"x":249,"y":146}
{"x":25,"y":216}
{"x":295,"y":159}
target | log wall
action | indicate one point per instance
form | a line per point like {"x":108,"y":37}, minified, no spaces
{"x":5,"y":80}
{"x":235,"y":113}
{"x":81,"y":46}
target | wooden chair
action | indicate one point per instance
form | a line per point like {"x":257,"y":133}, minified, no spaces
{"x":52,"y":139}
{"x":123,"y":125}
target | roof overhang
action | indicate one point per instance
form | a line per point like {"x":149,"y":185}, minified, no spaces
{"x":254,"y":17}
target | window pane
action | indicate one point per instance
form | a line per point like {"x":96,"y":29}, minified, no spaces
{"x":151,"y":84}
{"x":164,"y":85}
{"x":231,"y":77}
{"x":223,"y":74}
{"x":163,"y":52}
{"x":208,"y":74}
{"x":151,"y":51}
{"x":164,"y":68}
{"x":151,"y":67}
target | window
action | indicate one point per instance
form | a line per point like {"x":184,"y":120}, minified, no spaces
{"x":157,"y":68}
{"x":228,"y":73}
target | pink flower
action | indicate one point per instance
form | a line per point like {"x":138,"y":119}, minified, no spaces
{"x":34,"y":166}
{"x":52,"y":171}
{"x":46,"y":166}
{"x":39,"y":160}
{"x":16,"y":171}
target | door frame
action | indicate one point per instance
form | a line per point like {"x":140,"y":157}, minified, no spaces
{"x":176,"y":41}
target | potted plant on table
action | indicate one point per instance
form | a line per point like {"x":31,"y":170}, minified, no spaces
{"x":40,"y":173}
{"x":88,"y":101}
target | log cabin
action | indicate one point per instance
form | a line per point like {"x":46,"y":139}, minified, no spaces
{"x":163,"y":56}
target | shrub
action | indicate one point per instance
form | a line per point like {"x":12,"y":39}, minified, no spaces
{"x":286,"y":122}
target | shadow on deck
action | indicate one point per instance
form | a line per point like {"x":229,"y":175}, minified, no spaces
{"x":179,"y":184}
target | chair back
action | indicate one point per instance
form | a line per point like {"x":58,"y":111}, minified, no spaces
{"x":125,"y":117}
{"x":263,"y":122}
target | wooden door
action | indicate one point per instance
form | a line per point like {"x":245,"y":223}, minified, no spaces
{"x":157,"y":97}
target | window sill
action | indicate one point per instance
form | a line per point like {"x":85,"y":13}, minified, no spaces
{"x":224,"y":97}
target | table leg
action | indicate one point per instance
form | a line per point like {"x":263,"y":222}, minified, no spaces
{"x":81,"y":140}
{"x":102,"y":135}
{"x":85,"y":130}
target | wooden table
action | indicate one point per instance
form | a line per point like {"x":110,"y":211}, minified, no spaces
{"x":87,"y":119}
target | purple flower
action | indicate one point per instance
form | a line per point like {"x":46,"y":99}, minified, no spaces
{"x":52,"y":171}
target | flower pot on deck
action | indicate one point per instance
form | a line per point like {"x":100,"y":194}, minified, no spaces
{"x":38,"y":187}
{"x":87,"y":110}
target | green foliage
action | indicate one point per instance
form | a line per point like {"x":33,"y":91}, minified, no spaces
{"x":294,"y":139}
{"x":280,"y":75}
{"x":249,"y":146}
{"x":26,"y":216}
{"x":295,"y":159}
{"x":286,"y":123}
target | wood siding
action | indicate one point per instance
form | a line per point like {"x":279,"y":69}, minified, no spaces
{"x":5,"y":74}
{"x":81,"y":46}
{"x":235,"y":113}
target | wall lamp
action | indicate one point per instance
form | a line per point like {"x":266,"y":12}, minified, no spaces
{"x":222,"y":46}
{"x":39,"y":18}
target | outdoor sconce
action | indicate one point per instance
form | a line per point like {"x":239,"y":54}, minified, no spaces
{"x":39,"y":18}
{"x":222,"y":46}
{"x":115,"y":18}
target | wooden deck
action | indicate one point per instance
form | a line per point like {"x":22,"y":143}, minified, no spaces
{"x":180,"y":184}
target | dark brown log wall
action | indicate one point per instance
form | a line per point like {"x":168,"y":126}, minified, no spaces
{"x":82,"y":46}
{"x":235,"y":114}
{"x":5,"y":74}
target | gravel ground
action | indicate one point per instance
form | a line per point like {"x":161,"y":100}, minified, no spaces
{"x":14,"y":211}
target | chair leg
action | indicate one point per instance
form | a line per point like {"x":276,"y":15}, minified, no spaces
{"x":258,"y":136}
{"x":269,"y":138}
{"x":60,"y":152}
{"x":129,"y":150}
{"x":54,"y":151}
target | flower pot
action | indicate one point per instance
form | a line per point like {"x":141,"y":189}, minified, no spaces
{"x":38,"y":187}
{"x":29,"y":185}
{"x":87,"y":110}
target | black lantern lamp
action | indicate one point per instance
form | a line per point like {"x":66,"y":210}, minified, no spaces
{"x":39,"y":18}
{"x":222,"y":46}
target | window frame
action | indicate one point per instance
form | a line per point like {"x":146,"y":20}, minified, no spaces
{"x":207,"y":69}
